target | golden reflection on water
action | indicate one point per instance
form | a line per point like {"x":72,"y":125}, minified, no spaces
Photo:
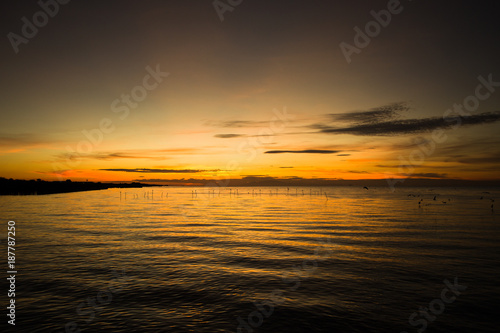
{"x":240,"y":246}
{"x":249,"y":223}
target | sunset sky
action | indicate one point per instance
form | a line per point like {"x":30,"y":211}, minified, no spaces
{"x":265,"y":92}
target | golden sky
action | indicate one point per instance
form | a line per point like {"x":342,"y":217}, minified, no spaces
{"x":160,"y":90}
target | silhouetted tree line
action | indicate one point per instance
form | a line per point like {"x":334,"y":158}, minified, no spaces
{"x":30,"y":187}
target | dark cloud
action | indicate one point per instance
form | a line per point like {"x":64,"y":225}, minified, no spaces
{"x":378,"y":114}
{"x":398,"y":166}
{"x":307,"y":151}
{"x":157,"y":170}
{"x":344,"y":155}
{"x":429,"y":175}
{"x":413,"y":126}
{"x":237,"y":123}
{"x":409,"y":144}
{"x":113,"y":156}
{"x":228,"y":136}
{"x":256,"y":177}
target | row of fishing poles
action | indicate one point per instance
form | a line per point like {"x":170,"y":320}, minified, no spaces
{"x":146,"y":195}
{"x":236,"y":193}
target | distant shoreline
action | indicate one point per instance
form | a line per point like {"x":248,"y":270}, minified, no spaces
{"x":40,"y":187}
{"x":311,"y":182}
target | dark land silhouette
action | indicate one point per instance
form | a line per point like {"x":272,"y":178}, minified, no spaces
{"x":36,"y":187}
{"x":298,"y":181}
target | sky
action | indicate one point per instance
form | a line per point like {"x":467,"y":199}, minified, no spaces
{"x":165,"y":91}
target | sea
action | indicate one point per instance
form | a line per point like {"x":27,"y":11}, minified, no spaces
{"x":253,"y":259}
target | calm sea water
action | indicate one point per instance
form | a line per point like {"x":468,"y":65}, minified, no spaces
{"x":260,"y":260}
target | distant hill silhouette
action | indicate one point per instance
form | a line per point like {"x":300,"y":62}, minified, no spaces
{"x":31,"y":187}
{"x":297,"y":181}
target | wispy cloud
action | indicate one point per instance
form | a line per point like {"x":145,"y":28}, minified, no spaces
{"x":145,"y":170}
{"x":481,"y":159}
{"x":237,"y":123}
{"x":307,"y":151}
{"x":228,"y":136}
{"x":386,"y":166}
{"x":55,"y":172}
{"x":113,"y":156}
{"x":412,"y":126}
{"x":429,"y":175}
{"x":152,"y":154}
{"x":378,"y":114}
